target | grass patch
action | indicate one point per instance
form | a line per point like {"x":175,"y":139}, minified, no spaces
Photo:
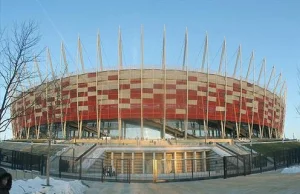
{"x":268,"y":148}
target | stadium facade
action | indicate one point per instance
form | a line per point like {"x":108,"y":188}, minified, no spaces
{"x":176,"y":103}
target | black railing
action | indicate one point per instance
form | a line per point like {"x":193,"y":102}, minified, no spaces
{"x":148,"y":170}
{"x":23,"y":160}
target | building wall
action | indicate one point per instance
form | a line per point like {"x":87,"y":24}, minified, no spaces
{"x":187,"y":95}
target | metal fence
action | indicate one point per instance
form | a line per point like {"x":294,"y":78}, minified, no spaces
{"x":23,"y":160}
{"x":149,"y":170}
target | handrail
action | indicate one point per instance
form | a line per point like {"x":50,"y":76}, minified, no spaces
{"x":84,"y":153}
{"x":227,"y":149}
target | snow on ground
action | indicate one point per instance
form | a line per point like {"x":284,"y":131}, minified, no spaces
{"x":36,"y":186}
{"x":291,"y":170}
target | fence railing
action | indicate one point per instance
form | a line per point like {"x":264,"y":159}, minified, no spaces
{"x":149,"y":170}
{"x":23,"y":160}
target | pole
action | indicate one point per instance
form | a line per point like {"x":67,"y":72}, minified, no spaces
{"x":73,"y":160}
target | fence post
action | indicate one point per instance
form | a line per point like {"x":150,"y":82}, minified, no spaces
{"x":237,"y":166}
{"x":129,"y":164}
{"x":291,"y":157}
{"x":274,"y":159}
{"x":208,"y":167}
{"x":31,"y":162}
{"x":244,"y":165}
{"x":41,"y":164}
{"x":44,"y":165}
{"x":12,"y":159}
{"x":287,"y":158}
{"x":192,"y":168}
{"x":59,"y":166}
{"x":174,"y":168}
{"x":225,"y":167}
{"x":116,"y":169}
{"x":80,"y":168}
{"x":102,"y":174}
{"x":250,"y":164}
{"x":298,"y":155}
{"x":260,"y":165}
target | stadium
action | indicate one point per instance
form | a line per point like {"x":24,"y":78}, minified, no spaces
{"x":150,"y":124}
{"x":144,"y":103}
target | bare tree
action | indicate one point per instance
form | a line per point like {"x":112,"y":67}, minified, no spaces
{"x":17,"y":49}
{"x":54,"y":96}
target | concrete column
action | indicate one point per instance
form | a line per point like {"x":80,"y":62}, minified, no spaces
{"x":153,"y":155}
{"x":143,"y":162}
{"x":122,"y":162}
{"x":185,"y":127}
{"x":204,"y":160}
{"x":165,"y":162}
{"x":124,"y":128}
{"x":195,"y":162}
{"x":132,"y":162}
{"x":184,"y":162}
{"x":175,"y":163}
{"x":112,"y":160}
{"x":199,"y":129}
{"x":120,"y":127}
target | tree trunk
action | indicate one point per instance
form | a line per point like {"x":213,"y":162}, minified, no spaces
{"x":48,"y":163}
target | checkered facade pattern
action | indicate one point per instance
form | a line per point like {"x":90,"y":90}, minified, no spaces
{"x":136,"y":93}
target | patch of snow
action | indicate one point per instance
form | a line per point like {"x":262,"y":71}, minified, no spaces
{"x":291,"y":170}
{"x":37,"y":186}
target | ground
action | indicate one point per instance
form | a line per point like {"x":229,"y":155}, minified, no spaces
{"x":268,"y":182}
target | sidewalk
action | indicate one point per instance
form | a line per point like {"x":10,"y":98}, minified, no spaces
{"x":269,"y":182}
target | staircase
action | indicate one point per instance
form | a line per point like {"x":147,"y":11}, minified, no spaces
{"x":93,"y":161}
{"x":97,"y":164}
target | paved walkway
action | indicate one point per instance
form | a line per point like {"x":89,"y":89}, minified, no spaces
{"x":269,"y":182}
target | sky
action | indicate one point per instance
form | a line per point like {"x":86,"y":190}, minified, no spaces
{"x":270,"y":28}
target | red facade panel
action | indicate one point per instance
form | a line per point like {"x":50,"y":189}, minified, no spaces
{"x":135,"y":81}
{"x":153,"y":107}
{"x":158,"y":86}
{"x":171,"y":86}
{"x":92,"y":74}
{"x":193,"y":78}
{"x":147,"y":90}
{"x":112,"y":77}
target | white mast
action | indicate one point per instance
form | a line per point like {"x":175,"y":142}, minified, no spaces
{"x":204,"y":58}
{"x":165,"y":81}
{"x":142,"y":67}
{"x":185,"y":54}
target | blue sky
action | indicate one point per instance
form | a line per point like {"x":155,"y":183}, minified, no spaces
{"x":270,"y":28}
